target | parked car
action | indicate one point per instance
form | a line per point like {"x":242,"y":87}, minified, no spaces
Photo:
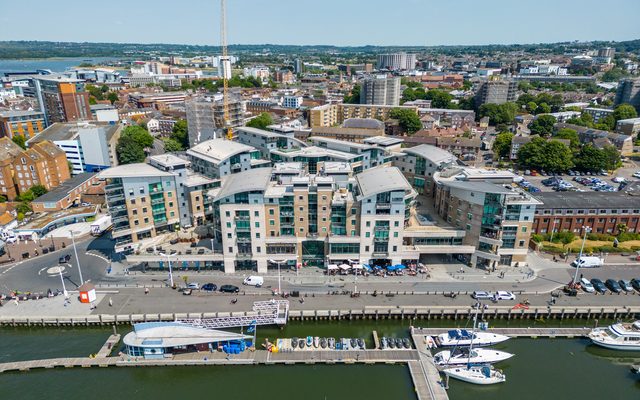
{"x":613,"y":285}
{"x":187,"y":292}
{"x":635,"y":283}
{"x":618,"y":179}
{"x":64,"y":259}
{"x":598,"y":285}
{"x":625,"y":285}
{"x":11,"y":240}
{"x":193,"y":285}
{"x":586,"y":285}
{"x":209,"y":287}
{"x":482,"y":295}
{"x":503,"y":295}
{"x":636,"y":174}
{"x":229,"y":289}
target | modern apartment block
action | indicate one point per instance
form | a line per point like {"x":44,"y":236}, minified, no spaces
{"x":629,"y":92}
{"x":380,"y":90}
{"x":216,"y":158}
{"x":496,"y":92}
{"x":630,"y":126}
{"x":497,"y":219}
{"x":205,"y":118}
{"x":267,"y":141}
{"x":62,"y":99}
{"x":420,"y":163}
{"x":24,"y":123}
{"x":329,"y":115}
{"x":396,"y":61}
{"x":42,"y":164}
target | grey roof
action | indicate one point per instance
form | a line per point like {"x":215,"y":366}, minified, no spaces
{"x":484,"y":187}
{"x":245,"y":181}
{"x":62,"y":191}
{"x":139,"y":170}
{"x":431,"y":153}
{"x":218,"y":150}
{"x":383,"y":140}
{"x":381,"y":179}
{"x":582,"y":200}
{"x":20,"y":113}
{"x":70,"y":130}
{"x":363,"y":123}
{"x":260,"y":132}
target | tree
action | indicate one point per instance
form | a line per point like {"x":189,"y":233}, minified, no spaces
{"x":590,"y":159}
{"x":543,"y":125}
{"x":499,"y":113}
{"x":439,"y":98}
{"x":624,"y":111}
{"x":20,"y":141}
{"x":138,"y":134}
{"x":261,"y":121}
{"x":550,"y":156}
{"x":570,"y":134}
{"x":171,"y":145}
{"x":407,"y":119}
{"x":180,"y":133}
{"x":531,"y":107}
{"x":502,"y":144}
{"x":129,"y":151}
{"x":38,"y":190}
{"x":584,"y":119}
{"x":543,"y":108}
{"x":354,"y":96}
{"x":112,"y":97}
{"x":612,"y":156}
{"x":23,"y":208}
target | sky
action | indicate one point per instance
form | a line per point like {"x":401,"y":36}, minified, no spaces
{"x":332,"y":22}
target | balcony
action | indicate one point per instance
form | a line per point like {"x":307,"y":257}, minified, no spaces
{"x":242,"y":218}
{"x":243,"y":228}
{"x":244,"y":256}
{"x":380,"y":254}
{"x":381,"y":239}
{"x":495,"y":240}
{"x":115,"y":198}
{"x":122,"y":218}
{"x":158,"y":211}
{"x":157,"y":201}
{"x":383,"y":206}
{"x":243,"y":240}
{"x":487,"y":255}
{"x":381,"y":228}
{"x":287,"y":214}
{"x":113,"y":188}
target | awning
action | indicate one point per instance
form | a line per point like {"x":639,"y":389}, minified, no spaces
{"x":332,"y":267}
{"x":344,"y":266}
{"x":357,"y":266}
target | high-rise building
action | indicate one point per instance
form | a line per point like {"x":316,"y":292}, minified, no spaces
{"x":298,"y":66}
{"x":396,"y":61}
{"x":25,"y":123}
{"x":629,"y":92}
{"x":62,"y":99}
{"x":496,"y":92}
{"x":380,"y":90}
{"x":606,"y":52}
{"x":205,"y":117}
{"x":224,"y":67}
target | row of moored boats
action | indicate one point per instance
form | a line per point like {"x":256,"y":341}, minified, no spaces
{"x":316,"y":342}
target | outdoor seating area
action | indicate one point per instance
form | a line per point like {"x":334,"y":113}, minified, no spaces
{"x":356,"y":268}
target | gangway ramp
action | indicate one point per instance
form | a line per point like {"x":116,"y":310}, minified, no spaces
{"x":270,"y":312}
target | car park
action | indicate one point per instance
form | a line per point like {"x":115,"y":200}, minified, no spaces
{"x":193,"y":285}
{"x":586,"y":285}
{"x":625,"y":285}
{"x":503,"y":295}
{"x":613,"y":285}
{"x":482,"y":295}
{"x":618,"y":179}
{"x":598,"y":285}
{"x":209,"y":287}
{"x":229,"y":289}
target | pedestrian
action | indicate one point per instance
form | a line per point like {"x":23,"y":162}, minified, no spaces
{"x":146,"y":290}
{"x":110,"y":302}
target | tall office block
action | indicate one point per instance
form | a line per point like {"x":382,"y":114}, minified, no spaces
{"x":629,"y":92}
{"x":381,"y":91}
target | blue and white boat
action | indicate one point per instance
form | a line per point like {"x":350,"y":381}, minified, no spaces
{"x":464,"y":338}
{"x":621,"y":336}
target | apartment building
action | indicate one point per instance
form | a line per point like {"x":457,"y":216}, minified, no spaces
{"x":62,"y":99}
{"x":352,"y":130}
{"x":216,"y":158}
{"x":629,"y":92}
{"x":599,"y":138}
{"x":68,"y":194}
{"x":572,"y":211}
{"x":496,"y":218}
{"x":267,"y":141}
{"x":449,"y":118}
{"x":420,"y":163}
{"x":630,"y":126}
{"x":329,"y":115}
{"x":496,"y":92}
{"x":205,"y":117}
{"x":396,"y":61}
{"x":24,"y":123}
{"x":380,"y":90}
{"x":598,"y":113}
{"x":42,"y":164}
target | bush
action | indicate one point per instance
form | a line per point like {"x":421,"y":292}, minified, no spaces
{"x":537,"y":237}
{"x":610,"y":249}
{"x":553,"y":250}
{"x":603,"y":237}
{"x":564,"y":237}
{"x":624,"y":237}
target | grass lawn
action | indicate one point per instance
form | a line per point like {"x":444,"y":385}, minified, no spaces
{"x":574,"y":246}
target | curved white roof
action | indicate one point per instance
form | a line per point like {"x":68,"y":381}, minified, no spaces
{"x":246,"y":181}
{"x":171,"y":334}
{"x":218,"y":150}
{"x":381,"y":179}
{"x":139,"y":170}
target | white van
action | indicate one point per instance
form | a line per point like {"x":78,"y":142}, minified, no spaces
{"x":253,"y":280}
{"x":588,"y":262}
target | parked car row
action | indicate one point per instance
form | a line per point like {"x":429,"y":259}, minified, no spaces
{"x":596,"y":184}
{"x":499,"y":295}
{"x":209,"y":287}
{"x":596,"y":285}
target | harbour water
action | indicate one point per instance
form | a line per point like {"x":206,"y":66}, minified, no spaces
{"x":541,"y":369}
{"x":53,"y":64}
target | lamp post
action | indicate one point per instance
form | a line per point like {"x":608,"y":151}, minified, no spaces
{"x":64,"y":288}
{"x":553,"y":230}
{"x":584,"y":239}
{"x":169,"y":263}
{"x":278,"y":264}
{"x":73,"y":240}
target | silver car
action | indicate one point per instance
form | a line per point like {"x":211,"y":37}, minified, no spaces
{"x":482,"y":295}
{"x":625,"y":285}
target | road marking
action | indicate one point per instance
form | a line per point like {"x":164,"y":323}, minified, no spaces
{"x":98,"y":256}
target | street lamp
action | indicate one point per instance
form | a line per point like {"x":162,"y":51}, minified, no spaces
{"x":278,"y":264}
{"x":73,"y":240}
{"x":64,"y":288}
{"x":170,"y":270}
{"x":553,"y":230}
{"x":584,"y":239}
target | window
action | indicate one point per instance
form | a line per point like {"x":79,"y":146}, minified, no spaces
{"x":146,"y":220}
{"x":395,"y":248}
{"x":258,"y":249}
{"x":367,"y":234}
{"x":144,"y":209}
{"x":272,"y":233}
{"x":227,"y":213}
{"x":133,"y":201}
{"x":135,"y":212}
{"x":229,"y":236}
{"x":257,"y":235}
{"x":395,"y":235}
{"x":521,"y":243}
{"x":256,"y":213}
{"x":230,"y":249}
{"x":228,"y":224}
{"x":468,"y":227}
{"x":257,"y":224}
{"x":141,"y":190}
{"x":524,"y":229}
{"x":135,"y":222}
{"x":396,"y":224}
{"x":271,"y":211}
{"x":143,"y":200}
{"x":366,"y":248}
{"x":171,"y":204}
{"x":272,"y":222}
{"x":172,"y":214}
{"x":368,"y":224}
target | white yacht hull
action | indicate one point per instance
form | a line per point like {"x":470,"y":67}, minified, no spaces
{"x":616,"y":346}
{"x":475,"y":375}
{"x":620,"y":336}
{"x":479,"y":356}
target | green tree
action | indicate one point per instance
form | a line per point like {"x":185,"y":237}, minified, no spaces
{"x":407,"y":119}
{"x":550,"y":156}
{"x":606,"y":123}
{"x":20,"y":141}
{"x":570,"y":134}
{"x":543,"y":108}
{"x":590,"y":159}
{"x":613,"y":157}
{"x":38,"y":190}
{"x":502,"y":144}
{"x":439,"y":98}
{"x":531,"y":107}
{"x":180,"y":133}
{"x":129,"y":151}
{"x":354,"y":96}
{"x":624,"y":111}
{"x":585,"y":120}
{"x":499,"y":113}
{"x":543,"y":125}
{"x":171,"y":145}
{"x":261,"y":121}
{"x":112,"y":97}
{"x":138,"y":134}
{"x":23,"y":208}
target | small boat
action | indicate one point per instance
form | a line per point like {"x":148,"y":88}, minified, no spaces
{"x":353,"y":343}
{"x":332,"y":343}
{"x":301,"y":343}
{"x":621,"y":336}
{"x":399,"y":343}
{"x":462,"y":356}
{"x":294,"y":342}
{"x":339,"y":344}
{"x":383,"y":343}
{"x":361,"y":343}
{"x":345,"y":344}
{"x":479,"y":375}
{"x":323,"y":343}
{"x":309,"y":341}
{"x":392,"y":343}
{"x":635,"y":369}
{"x":316,"y":342}
{"x":406,"y":343}
{"x":463,"y":337}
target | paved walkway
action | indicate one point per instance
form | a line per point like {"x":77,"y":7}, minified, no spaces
{"x":80,"y":229}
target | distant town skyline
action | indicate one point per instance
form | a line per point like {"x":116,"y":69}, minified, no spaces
{"x":332,"y":22}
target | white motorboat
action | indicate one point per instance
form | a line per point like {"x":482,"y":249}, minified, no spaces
{"x":621,"y":336}
{"x":479,"y":375}
{"x":460,"y":356}
{"x":463,"y":337}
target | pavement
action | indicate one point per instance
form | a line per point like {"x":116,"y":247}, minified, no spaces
{"x":80,"y":229}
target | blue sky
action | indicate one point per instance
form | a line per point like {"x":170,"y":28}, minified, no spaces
{"x":338,"y":22}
